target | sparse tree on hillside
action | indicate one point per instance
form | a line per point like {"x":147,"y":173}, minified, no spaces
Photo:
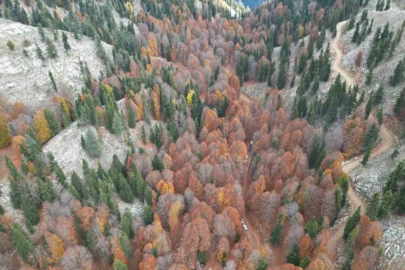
{"x":65,"y":42}
{"x":281,"y":79}
{"x":93,"y":147}
{"x":118,"y":124}
{"x":10,"y":45}
{"x":359,"y":59}
{"x":51,"y":49}
{"x":373,"y":206}
{"x":53,"y":81}
{"x":52,"y":122}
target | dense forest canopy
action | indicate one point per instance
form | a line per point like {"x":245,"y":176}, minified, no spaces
{"x":175,"y":160}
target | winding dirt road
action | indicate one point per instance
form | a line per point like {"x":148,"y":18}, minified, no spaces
{"x":337,"y":64}
{"x":387,"y":142}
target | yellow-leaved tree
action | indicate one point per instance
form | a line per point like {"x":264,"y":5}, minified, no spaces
{"x":5,"y":138}
{"x":190,"y":96}
{"x":41,"y":127}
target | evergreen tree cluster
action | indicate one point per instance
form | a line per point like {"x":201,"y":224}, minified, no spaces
{"x":363,"y":28}
{"x":340,"y":102}
{"x":379,"y":207}
{"x":400,"y":103}
{"x":394,"y":190}
{"x":383,"y":5}
{"x":381,"y":41}
{"x":399,"y":74}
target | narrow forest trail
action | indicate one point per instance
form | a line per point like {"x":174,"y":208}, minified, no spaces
{"x":387,"y":142}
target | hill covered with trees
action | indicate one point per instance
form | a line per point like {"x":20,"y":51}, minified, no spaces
{"x":159,"y":160}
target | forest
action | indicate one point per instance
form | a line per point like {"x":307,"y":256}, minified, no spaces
{"x":171,"y":94}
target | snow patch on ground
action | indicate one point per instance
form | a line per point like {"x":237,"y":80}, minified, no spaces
{"x":26,"y":79}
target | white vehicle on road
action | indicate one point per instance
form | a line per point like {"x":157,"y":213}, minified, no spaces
{"x":244,"y":226}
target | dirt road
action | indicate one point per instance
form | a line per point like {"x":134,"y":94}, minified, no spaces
{"x":387,"y":142}
{"x":337,"y":64}
{"x":252,"y":234}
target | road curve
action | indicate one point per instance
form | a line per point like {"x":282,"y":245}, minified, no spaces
{"x":337,"y":64}
{"x":387,"y":142}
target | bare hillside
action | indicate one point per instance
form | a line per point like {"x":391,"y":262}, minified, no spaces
{"x":395,"y":17}
{"x":25,"y":78}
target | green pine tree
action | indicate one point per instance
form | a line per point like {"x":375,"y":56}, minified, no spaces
{"x":21,"y":242}
{"x":65,"y":42}
{"x":311,"y":228}
{"x":147,"y":215}
{"x":30,"y":210}
{"x":373,"y":206}
{"x":281,"y":79}
{"x":53,"y":81}
{"x":148,"y":195}
{"x":366,"y":157}
{"x":92,"y":144}
{"x":385,"y":205}
{"x":294,"y":256}
{"x":400,"y":104}
{"x":125,"y":191}
{"x":118,"y":124}
{"x":277,"y":232}
{"x":118,"y":265}
{"x":46,"y":191}
{"x":157,"y":164}
{"x":261,"y":264}
{"x":77,"y":184}
{"x":143,"y":135}
{"x":51,"y":49}
{"x":399,"y":202}
{"x":351,"y":224}
{"x":399,"y":74}
{"x":131,"y":118}
{"x":125,"y":245}
{"x":126,"y":221}
{"x":11,"y":168}
{"x":395,"y":153}
{"x":52,"y":122}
